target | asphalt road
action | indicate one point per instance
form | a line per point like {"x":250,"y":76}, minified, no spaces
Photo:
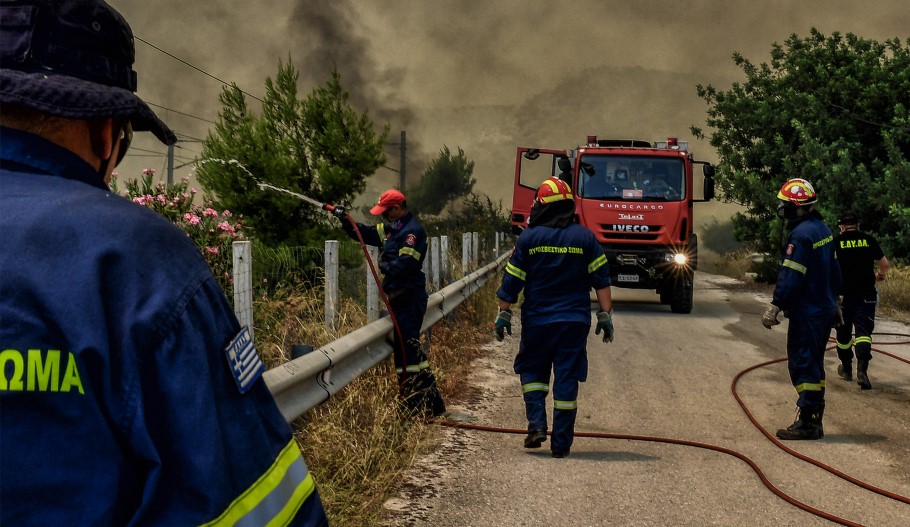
{"x":670,"y":376}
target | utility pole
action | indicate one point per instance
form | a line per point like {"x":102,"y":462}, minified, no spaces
{"x":170,"y":165}
{"x":401,"y":164}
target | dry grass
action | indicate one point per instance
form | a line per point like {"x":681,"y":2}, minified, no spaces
{"x":894,"y":293}
{"x":357,"y":444}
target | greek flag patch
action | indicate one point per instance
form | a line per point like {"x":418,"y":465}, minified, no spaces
{"x":245,"y":364}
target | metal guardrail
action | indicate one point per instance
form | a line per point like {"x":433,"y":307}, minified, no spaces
{"x":307,"y":381}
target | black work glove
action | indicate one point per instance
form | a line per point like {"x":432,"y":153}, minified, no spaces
{"x":503,"y":324}
{"x":838,"y":316}
{"x":605,"y":323}
{"x":338,"y":212}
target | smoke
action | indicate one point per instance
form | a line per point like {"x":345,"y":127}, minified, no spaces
{"x":483,"y":76}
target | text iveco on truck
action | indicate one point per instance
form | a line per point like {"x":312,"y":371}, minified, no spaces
{"x":637,"y":197}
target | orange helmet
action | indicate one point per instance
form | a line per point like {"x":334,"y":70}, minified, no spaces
{"x":798,"y":192}
{"x":553,"y":189}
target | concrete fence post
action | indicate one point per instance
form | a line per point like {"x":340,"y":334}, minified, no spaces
{"x":466,"y":253}
{"x":372,"y":287}
{"x":331,"y":282}
{"x":242,"y":253}
{"x":445,"y":271}
{"x":435,"y":262}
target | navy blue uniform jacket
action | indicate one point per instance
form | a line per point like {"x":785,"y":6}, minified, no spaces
{"x":118,"y":402}
{"x":556,"y":267}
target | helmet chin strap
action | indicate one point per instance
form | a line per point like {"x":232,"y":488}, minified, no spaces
{"x":789,"y":211}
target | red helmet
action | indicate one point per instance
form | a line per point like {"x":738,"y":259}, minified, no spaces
{"x":553,"y":189}
{"x":798,"y":192}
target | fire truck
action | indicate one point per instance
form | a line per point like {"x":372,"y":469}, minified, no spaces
{"x":637,"y":197}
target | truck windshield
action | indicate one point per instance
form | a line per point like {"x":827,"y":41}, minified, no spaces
{"x":631,"y":178}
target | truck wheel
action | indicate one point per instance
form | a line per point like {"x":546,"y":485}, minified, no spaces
{"x":666,"y":295}
{"x":681,"y":302}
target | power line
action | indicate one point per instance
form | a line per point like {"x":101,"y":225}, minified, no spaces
{"x":179,"y":112}
{"x":194,"y":67}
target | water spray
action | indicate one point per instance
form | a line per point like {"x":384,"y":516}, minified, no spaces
{"x":346,"y":216}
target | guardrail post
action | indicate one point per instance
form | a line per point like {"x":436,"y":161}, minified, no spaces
{"x":372,"y":287}
{"x":242,"y":252}
{"x":475,"y":250}
{"x":331,"y":282}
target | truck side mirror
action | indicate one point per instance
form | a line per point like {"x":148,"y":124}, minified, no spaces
{"x":708,"y":170}
{"x":709,"y":189}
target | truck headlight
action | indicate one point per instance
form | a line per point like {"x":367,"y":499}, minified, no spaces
{"x":677,"y":258}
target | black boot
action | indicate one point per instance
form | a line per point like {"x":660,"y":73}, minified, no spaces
{"x":845,"y":371}
{"x":808,"y":426}
{"x":862,"y":377}
{"x":535,"y":438}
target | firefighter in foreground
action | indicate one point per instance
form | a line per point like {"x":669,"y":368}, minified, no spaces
{"x":404,"y":248}
{"x":556,"y":262}
{"x":806,"y":289}
{"x":130,"y":394}
{"x":857,"y":254}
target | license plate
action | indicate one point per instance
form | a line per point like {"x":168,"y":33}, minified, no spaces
{"x":627,"y":278}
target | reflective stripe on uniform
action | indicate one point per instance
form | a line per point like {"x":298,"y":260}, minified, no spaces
{"x":798,"y":267}
{"x":565,"y":405}
{"x":516,"y":272}
{"x":413,"y":253}
{"x":862,"y":340}
{"x":414,"y":368}
{"x":845,"y":345}
{"x":598,"y":262}
{"x":380,"y":230}
{"x":275,"y":497}
{"x":810,"y":387}
{"x":535,"y":387}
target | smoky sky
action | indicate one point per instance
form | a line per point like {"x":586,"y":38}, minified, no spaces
{"x":485,"y":76}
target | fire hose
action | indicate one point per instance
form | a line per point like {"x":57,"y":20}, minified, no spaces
{"x":385,"y":299}
{"x":752,"y":464}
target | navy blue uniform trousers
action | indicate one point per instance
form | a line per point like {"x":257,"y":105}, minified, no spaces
{"x":560,"y":347}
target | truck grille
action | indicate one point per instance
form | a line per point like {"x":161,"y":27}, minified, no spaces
{"x":630,"y":232}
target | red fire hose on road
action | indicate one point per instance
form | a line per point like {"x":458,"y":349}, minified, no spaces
{"x":789,"y":499}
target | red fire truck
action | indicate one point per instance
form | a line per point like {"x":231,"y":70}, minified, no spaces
{"x":637,"y":197}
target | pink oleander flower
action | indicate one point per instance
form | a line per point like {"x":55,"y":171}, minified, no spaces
{"x":191,"y":218}
{"x":210,"y":213}
{"x":212,"y":250}
{"x":226,"y":227}
{"x":149,"y":172}
{"x":161,"y":198}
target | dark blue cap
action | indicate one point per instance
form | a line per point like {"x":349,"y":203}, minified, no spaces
{"x":74,"y":59}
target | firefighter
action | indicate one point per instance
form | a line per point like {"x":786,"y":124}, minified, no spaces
{"x":857,"y":254}
{"x":556,"y":262}
{"x":130,"y":394}
{"x":807,"y":283}
{"x":404,"y":248}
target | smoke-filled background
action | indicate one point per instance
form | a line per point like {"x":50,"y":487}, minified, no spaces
{"x":483,"y":75}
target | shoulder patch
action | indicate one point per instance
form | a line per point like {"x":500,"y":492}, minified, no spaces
{"x":789,"y":250}
{"x":411,"y":240}
{"x":244,"y":362}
